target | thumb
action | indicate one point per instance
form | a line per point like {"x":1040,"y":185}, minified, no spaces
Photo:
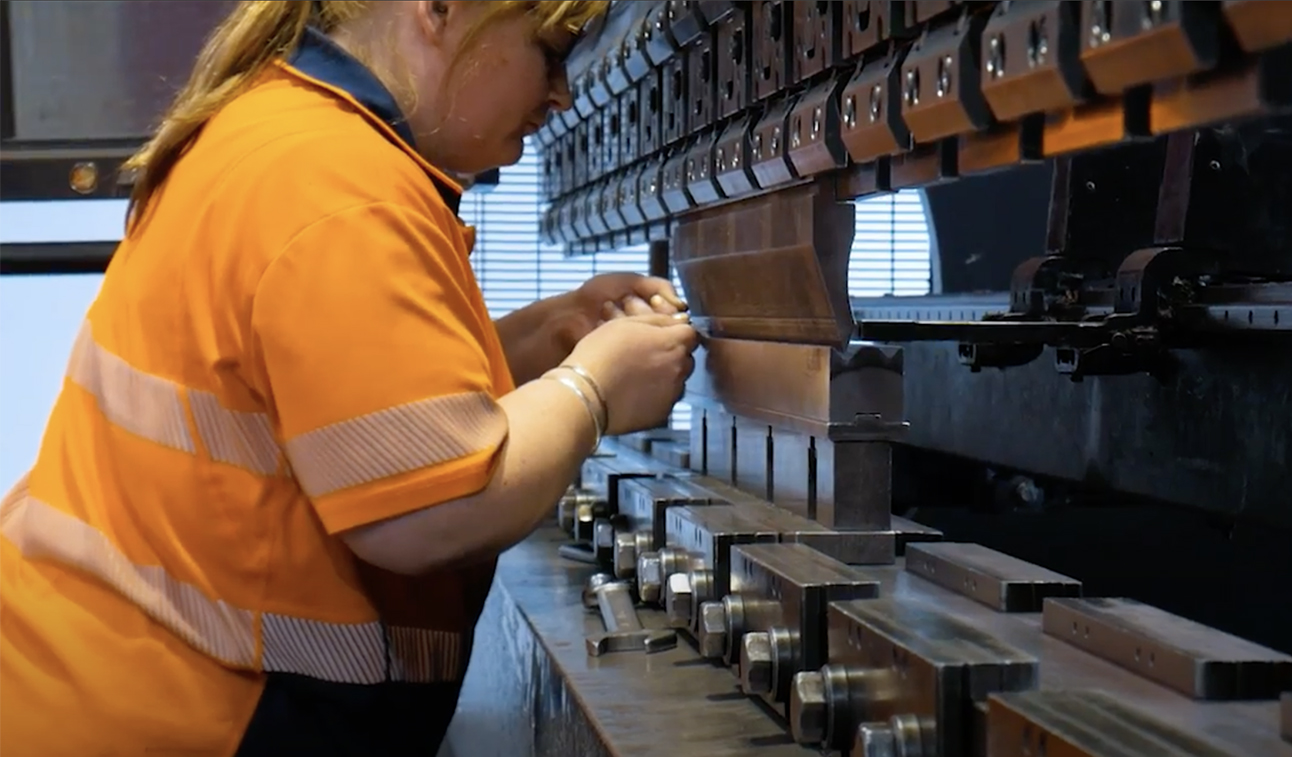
{"x":685,"y":334}
{"x":662,"y":319}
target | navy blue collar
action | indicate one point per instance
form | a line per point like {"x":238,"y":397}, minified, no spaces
{"x":319,"y":58}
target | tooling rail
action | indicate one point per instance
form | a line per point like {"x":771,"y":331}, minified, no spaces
{"x":682,"y":105}
{"x":953,"y":649}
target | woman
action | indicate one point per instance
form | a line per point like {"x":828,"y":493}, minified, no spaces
{"x":291,"y":442}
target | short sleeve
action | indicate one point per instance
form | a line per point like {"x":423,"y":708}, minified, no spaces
{"x":372,"y":345}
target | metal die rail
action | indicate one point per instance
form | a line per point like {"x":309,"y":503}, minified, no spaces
{"x":902,"y":678}
{"x":772,"y":625}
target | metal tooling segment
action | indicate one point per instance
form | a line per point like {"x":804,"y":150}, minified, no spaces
{"x":785,"y":589}
{"x":1085,"y":723}
{"x":533,"y":691}
{"x":530,"y":666}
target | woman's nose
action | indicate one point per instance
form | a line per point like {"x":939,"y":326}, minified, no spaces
{"x":560,"y":97}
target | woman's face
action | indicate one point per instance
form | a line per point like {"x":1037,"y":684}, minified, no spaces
{"x":473,"y":110}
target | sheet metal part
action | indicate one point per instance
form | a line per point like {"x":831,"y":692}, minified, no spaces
{"x":1084,"y":724}
{"x":902,"y":674}
{"x":1196,"y":660}
{"x":796,"y":244}
{"x":773,"y":622}
{"x":995,"y":579}
{"x":804,"y":388}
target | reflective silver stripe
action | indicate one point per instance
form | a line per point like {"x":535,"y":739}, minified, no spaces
{"x":237,"y":438}
{"x":359,"y":653}
{"x":419,"y":655}
{"x":147,"y":406}
{"x":43,"y":532}
{"x":394,"y":441}
{"x":339,"y":652}
{"x":152,"y":408}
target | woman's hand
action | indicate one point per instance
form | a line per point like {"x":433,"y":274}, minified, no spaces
{"x":615,"y":295}
{"x":639,"y":366}
{"x":538,"y":337}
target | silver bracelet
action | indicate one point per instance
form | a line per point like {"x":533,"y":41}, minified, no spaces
{"x":582,"y":373}
{"x":587,"y":405}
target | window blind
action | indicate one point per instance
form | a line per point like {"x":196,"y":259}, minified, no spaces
{"x":511,"y":262}
{"x":890,"y":253}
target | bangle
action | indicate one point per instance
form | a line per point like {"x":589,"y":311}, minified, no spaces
{"x":587,"y":405}
{"x":582,"y":373}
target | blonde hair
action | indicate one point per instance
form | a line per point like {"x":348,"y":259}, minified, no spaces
{"x":256,"y":33}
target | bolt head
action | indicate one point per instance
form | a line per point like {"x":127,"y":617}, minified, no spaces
{"x":593,"y":587}
{"x":603,"y":535}
{"x":678,"y":600}
{"x":808,"y":710}
{"x":875,"y":740}
{"x":756,"y":664}
{"x":625,"y":561}
{"x":565,"y":514}
{"x":713,"y":630}
{"x":650,"y":583}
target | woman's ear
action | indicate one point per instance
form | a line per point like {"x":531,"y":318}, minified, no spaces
{"x":434,"y":18}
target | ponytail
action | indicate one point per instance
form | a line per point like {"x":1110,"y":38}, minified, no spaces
{"x":255,"y":34}
{"x":252,"y":36}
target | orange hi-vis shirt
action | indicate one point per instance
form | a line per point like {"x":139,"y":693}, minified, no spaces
{"x":290,"y":344}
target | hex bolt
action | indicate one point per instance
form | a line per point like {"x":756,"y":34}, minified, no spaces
{"x":594,"y":584}
{"x":650,"y":582}
{"x":875,"y":740}
{"x":826,"y":704}
{"x":756,"y":664}
{"x":678,"y":600}
{"x":628,"y":545}
{"x":712,"y":637}
{"x":809,"y":711}
{"x":603,"y":540}
{"x":565,"y":508}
